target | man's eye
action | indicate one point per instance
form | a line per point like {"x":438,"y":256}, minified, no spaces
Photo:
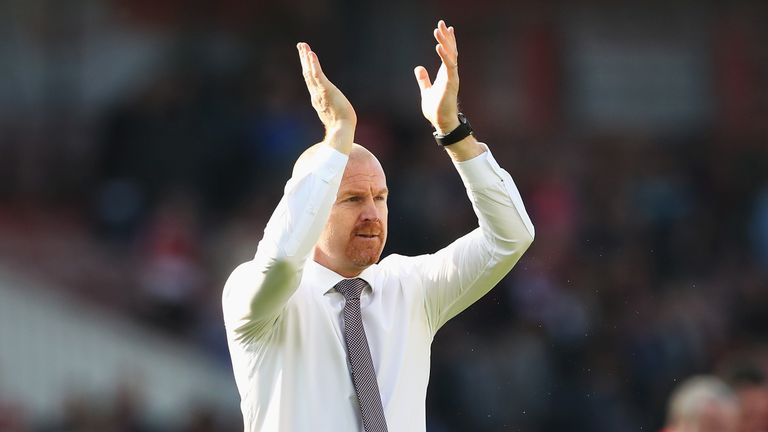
{"x":381,"y":198}
{"x":353,"y":199}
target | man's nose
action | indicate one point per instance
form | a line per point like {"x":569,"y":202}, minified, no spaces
{"x":370,"y":211}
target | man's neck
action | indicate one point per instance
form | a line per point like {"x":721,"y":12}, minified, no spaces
{"x":348,"y":273}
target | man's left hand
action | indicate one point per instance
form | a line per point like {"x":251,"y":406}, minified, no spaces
{"x":439,"y":100}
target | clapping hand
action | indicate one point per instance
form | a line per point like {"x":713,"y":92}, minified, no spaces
{"x":333,"y":108}
{"x":331,"y":105}
{"x":439,"y":100}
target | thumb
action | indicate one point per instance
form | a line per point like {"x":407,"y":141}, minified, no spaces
{"x":422,"y":78}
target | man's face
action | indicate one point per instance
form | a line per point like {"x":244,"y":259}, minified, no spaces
{"x":356,"y":230}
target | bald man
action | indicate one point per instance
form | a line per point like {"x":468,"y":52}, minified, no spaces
{"x":702,"y":403}
{"x":323,"y":336}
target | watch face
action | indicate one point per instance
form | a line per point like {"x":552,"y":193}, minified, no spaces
{"x":463,"y":120}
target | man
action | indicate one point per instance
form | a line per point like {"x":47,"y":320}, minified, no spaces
{"x":322,"y":337}
{"x":702,"y":404}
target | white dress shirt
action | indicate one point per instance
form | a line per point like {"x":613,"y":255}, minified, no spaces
{"x":284,"y":319}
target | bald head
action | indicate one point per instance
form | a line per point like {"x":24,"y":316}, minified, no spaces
{"x":362,"y":154}
{"x":703,"y":404}
{"x":358,"y":154}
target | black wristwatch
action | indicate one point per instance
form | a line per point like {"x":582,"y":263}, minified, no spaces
{"x":462,"y":131}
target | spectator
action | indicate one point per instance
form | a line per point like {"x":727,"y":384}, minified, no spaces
{"x":703,"y":404}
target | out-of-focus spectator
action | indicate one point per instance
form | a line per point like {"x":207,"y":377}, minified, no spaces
{"x":172,"y":278}
{"x":703,"y":404}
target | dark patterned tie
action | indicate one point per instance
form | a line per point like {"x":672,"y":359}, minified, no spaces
{"x":363,"y":374}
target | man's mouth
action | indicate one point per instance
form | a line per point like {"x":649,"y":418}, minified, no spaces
{"x":368,"y":236}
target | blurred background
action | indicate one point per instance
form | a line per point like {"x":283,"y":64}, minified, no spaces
{"x":144,"y":144}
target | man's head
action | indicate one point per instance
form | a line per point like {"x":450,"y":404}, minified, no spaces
{"x":703,"y":404}
{"x":356,"y":232}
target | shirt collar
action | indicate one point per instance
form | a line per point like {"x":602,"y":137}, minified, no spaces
{"x":324,"y":279}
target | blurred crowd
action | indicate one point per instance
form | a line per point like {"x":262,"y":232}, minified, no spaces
{"x":120,"y":412}
{"x":650,"y":263}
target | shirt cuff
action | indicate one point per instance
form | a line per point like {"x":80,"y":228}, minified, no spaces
{"x":481,"y":171}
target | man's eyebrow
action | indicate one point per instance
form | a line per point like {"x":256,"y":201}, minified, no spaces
{"x":383,"y":191}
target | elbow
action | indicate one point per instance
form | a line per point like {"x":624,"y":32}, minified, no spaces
{"x":531,"y":234}
{"x":516,"y":243}
{"x":511,"y":233}
{"x":526,"y":236}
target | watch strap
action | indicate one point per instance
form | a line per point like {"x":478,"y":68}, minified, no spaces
{"x":462,"y":131}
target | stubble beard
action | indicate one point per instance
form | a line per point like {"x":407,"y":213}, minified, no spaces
{"x":364,"y":253}
{"x":364,"y":256}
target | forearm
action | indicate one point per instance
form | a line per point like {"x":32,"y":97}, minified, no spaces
{"x":465,"y":149}
{"x":495,"y":198}
{"x":340,"y":136}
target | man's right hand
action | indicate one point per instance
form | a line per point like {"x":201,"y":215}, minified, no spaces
{"x":333,"y":108}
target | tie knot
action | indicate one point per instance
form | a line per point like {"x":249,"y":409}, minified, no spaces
{"x":351,"y":288}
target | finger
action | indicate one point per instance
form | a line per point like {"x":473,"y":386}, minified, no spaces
{"x":441,"y":37}
{"x":313,"y":70}
{"x":449,"y":38}
{"x":305,"y":68}
{"x":314,"y":66}
{"x":450,"y":60}
{"x":300,"y":49}
{"x":318,"y":75}
{"x":422,"y":78}
{"x":445,"y":30}
{"x":445,"y":40}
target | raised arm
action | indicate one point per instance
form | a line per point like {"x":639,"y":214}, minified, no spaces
{"x":257,"y":290}
{"x":461,"y":273}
